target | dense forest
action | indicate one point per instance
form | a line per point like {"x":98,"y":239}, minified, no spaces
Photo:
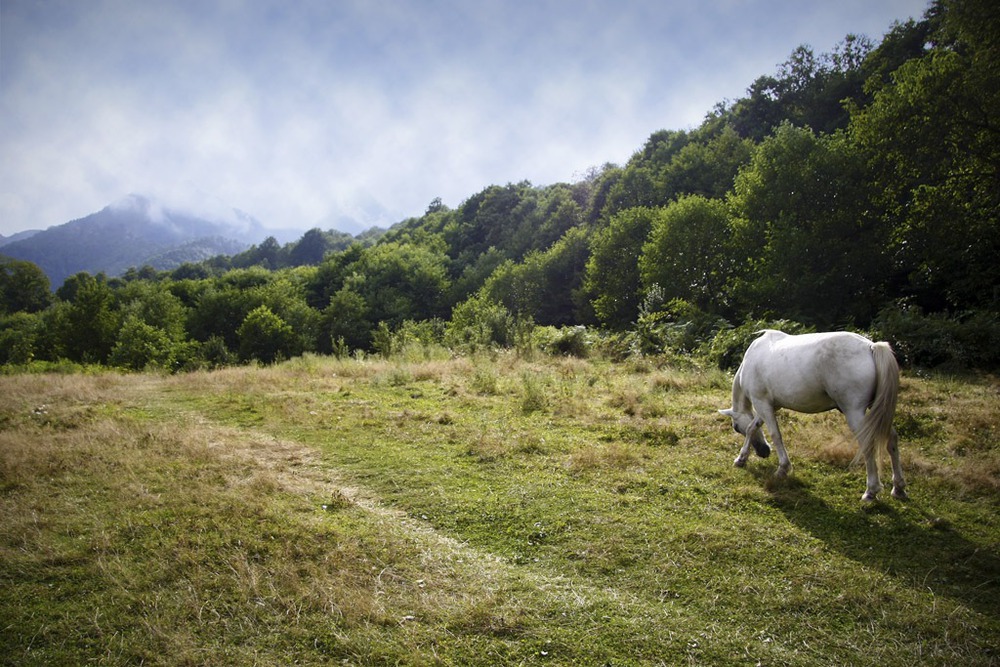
{"x":855,"y":189}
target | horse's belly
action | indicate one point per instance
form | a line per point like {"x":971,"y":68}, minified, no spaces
{"x":800,"y":394}
{"x":812,"y":404}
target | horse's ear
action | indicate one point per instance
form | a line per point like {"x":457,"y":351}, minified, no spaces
{"x":727,"y":412}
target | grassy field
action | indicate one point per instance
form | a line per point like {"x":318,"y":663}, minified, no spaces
{"x":482,"y":511}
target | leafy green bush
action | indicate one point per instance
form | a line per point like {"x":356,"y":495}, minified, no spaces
{"x":18,"y":335}
{"x":565,"y":341}
{"x":479,"y":322}
{"x":214,"y":353}
{"x":140,"y":346}
{"x":265,"y":336}
{"x":677,"y":326}
{"x":411,"y":340}
{"x":939,"y":340}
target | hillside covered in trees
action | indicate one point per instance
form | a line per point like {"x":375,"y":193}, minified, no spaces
{"x":858,"y":188}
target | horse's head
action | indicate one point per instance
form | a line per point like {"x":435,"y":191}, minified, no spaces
{"x":745,"y":423}
{"x":741,"y":420}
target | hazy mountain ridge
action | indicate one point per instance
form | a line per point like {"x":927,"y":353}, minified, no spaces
{"x":137,"y":231}
{"x":17,"y":236}
{"x":195,"y":251}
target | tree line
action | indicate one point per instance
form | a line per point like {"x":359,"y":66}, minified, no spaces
{"x":853,"y":189}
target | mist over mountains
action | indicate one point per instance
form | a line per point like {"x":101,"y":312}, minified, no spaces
{"x":140,"y":230}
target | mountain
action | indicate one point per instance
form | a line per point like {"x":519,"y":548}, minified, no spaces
{"x":139,"y":230}
{"x":19,"y":236}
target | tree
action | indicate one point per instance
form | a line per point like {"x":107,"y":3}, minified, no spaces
{"x":479,"y":322}
{"x":546,"y":286}
{"x":400,"y":282}
{"x":612,"y":277}
{"x":140,"y":345}
{"x":86,"y":327}
{"x":310,"y":249}
{"x":285,"y":295}
{"x":219,"y":311}
{"x":489,"y":218}
{"x":331,"y":275}
{"x":154,"y":304}
{"x":600,"y":183}
{"x":346,"y":319}
{"x":641,"y":182}
{"x":706,"y":167}
{"x":811,"y":245}
{"x":807,"y":91}
{"x":557,"y":213}
{"x":265,"y":336}
{"x":688,"y":254}
{"x":269,"y":255}
{"x":19,"y":337}
{"x":933,"y":137}
{"x":24,"y":287}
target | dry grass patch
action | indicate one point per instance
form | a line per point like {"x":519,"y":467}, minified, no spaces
{"x":611,"y":456}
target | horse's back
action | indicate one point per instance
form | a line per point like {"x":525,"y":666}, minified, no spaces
{"x":809,"y":372}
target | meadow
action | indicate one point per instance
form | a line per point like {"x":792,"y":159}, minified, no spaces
{"x":485,"y":510}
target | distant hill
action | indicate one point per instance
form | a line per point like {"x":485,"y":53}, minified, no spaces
{"x":19,"y":236}
{"x":137,"y":231}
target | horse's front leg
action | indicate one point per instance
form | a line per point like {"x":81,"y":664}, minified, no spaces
{"x":741,"y":458}
{"x":784,"y":463}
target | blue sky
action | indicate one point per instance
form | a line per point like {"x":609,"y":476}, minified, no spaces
{"x":310,"y":113}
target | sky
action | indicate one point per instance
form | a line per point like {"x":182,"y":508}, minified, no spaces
{"x":351,"y":113}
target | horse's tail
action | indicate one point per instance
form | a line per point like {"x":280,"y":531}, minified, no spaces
{"x":877,"y":426}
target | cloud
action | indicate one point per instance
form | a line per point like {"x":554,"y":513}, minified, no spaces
{"x":310,"y":111}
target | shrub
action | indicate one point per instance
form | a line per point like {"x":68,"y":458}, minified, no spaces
{"x":479,"y":323}
{"x":940,"y":340}
{"x":140,"y":345}
{"x":214,"y":353}
{"x":677,"y":326}
{"x":265,"y":336}
{"x":18,"y":336}
{"x":413,"y":340}
{"x":568,"y":342}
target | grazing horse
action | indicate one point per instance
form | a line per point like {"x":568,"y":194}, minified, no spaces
{"x":815,"y":373}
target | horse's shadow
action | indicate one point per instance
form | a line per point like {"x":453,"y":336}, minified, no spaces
{"x":911,"y":544}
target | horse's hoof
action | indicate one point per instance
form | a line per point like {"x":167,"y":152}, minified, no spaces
{"x":740,"y":462}
{"x":781,"y":474}
{"x":900,"y":494}
{"x":869,"y":497}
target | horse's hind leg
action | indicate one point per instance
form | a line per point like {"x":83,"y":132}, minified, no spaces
{"x":855,"y":418}
{"x":898,"y":483}
{"x":874,"y":483}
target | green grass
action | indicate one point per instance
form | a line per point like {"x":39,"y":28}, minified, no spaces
{"x":486,"y":511}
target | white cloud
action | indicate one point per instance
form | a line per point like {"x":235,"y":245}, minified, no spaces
{"x":303,"y":112}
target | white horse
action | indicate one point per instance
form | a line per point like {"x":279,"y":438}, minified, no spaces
{"x":815,"y":373}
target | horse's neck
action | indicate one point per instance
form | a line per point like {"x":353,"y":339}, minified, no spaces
{"x":741,"y":402}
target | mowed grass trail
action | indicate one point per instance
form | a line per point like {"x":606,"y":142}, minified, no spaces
{"x":482,"y":511}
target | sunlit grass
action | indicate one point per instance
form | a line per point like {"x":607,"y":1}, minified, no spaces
{"x":487,"y":510}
